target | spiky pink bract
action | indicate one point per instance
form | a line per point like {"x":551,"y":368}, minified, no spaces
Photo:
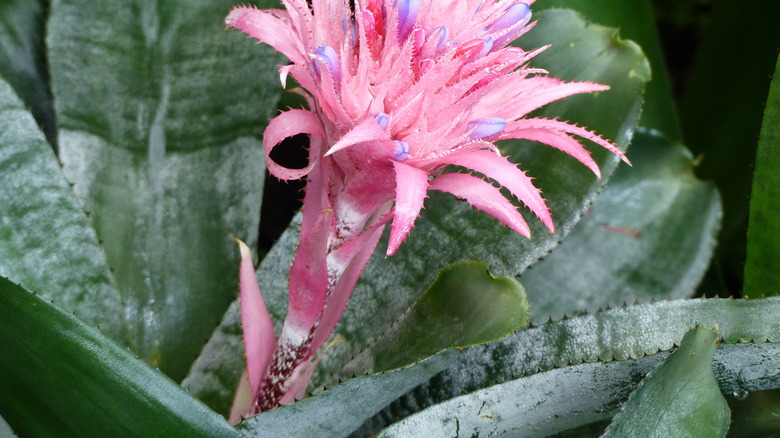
{"x":397,"y":90}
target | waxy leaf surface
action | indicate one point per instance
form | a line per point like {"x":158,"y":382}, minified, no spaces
{"x":46,"y":241}
{"x":573,"y":401}
{"x":621,"y":334}
{"x":680,"y":398}
{"x":616,"y":348}
{"x":650,"y":234}
{"x":60,"y":377}
{"x":761,"y":267}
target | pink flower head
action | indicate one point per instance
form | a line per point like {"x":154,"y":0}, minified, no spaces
{"x":398,"y":90}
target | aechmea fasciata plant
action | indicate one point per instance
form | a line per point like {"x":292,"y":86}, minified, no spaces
{"x":397,"y":91}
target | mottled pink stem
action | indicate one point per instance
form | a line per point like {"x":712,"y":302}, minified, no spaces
{"x":333,"y":251}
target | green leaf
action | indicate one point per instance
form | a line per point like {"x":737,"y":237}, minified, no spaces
{"x":618,"y":334}
{"x":464,"y":306}
{"x":22,"y":61}
{"x":569,"y":399}
{"x":449,"y":231}
{"x":158,"y":109}
{"x":721,"y":122}
{"x":60,"y":377}
{"x":761,"y":274}
{"x":650,"y":233}
{"x":46,"y":241}
{"x":680,"y":398}
{"x":636,"y":22}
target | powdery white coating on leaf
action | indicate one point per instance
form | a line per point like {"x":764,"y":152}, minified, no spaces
{"x":656,"y":205}
{"x":47,"y":243}
{"x":566,"y":398}
{"x":5,"y":429}
{"x":619,"y":334}
{"x":533,"y":406}
{"x":130,"y":199}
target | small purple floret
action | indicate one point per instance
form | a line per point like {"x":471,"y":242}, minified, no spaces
{"x":330,"y":58}
{"x":486,"y":127}
{"x":444,"y":33}
{"x":486,"y":49}
{"x":382,"y":120}
{"x":401,"y":149}
{"x":407,"y":16}
{"x":512,"y":15}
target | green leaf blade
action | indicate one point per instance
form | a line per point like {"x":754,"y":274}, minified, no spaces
{"x":568,"y":400}
{"x":621,"y":334}
{"x":60,"y":377}
{"x":650,"y":234}
{"x":46,"y":241}
{"x":464,"y":306}
{"x":721,"y":123}
{"x":761,"y":268}
{"x":680,"y":398}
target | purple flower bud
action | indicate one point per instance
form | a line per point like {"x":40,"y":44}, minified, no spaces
{"x":444,"y":33}
{"x":486,"y":49}
{"x":512,"y":15}
{"x":407,"y":16}
{"x":382,"y":120}
{"x":330,"y":58}
{"x":486,"y":127}
{"x":401,"y":149}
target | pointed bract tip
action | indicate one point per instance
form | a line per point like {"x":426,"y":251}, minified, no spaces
{"x":246,"y":253}
{"x":236,"y":13}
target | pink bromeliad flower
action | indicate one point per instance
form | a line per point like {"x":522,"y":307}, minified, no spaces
{"x":397,"y":91}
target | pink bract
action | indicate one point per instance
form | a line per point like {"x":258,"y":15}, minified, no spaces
{"x":397,"y":91}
